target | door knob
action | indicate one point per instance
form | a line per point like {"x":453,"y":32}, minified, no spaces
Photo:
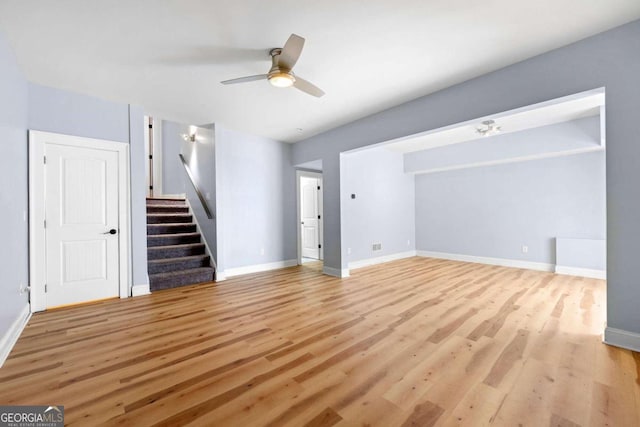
{"x":112,"y":231}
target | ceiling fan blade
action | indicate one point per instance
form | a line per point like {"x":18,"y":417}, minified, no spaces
{"x":291,"y":52}
{"x":245,"y":79}
{"x":308,"y":87}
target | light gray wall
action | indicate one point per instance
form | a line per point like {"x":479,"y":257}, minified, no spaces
{"x":200,"y":156}
{"x":609,"y":59}
{"x":561,"y":137}
{"x":173,"y":177}
{"x":138,"y":197}
{"x":70,"y":113}
{"x":255,"y":200}
{"x":251,"y":187}
{"x":61,"y":111}
{"x":493,"y":211}
{"x":13,"y":187}
{"x":384,"y":208}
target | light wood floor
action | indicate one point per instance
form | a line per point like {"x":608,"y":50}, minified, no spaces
{"x":413,"y":342}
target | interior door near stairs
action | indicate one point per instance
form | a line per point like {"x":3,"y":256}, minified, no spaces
{"x":310,"y":217}
{"x":82,"y":235}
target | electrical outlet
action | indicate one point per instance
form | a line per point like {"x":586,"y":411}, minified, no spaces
{"x":376,"y":247}
{"x":525,"y":249}
{"x":408,"y":242}
{"x":348,"y":251}
{"x":261,"y":251}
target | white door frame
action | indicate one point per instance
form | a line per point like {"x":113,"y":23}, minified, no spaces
{"x":157,"y":156}
{"x":37,"y":242}
{"x":299,"y":174}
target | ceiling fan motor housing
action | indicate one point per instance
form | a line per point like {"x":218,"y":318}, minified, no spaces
{"x":279,"y":77}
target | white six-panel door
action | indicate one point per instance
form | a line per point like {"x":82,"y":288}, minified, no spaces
{"x":78,"y":219}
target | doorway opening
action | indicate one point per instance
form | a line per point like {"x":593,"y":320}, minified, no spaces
{"x":310,"y":218}
{"x":153,"y":154}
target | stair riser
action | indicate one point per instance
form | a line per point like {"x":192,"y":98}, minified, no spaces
{"x":168,"y":202}
{"x":174,"y":252}
{"x":174,"y":282}
{"x":167,"y":209}
{"x":170,"y":229}
{"x":155,"y":268}
{"x":171,"y":239}
{"x":168,"y":219}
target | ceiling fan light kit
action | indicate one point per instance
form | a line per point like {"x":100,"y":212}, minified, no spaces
{"x":281,"y":79}
{"x":281,"y":75}
{"x":488,"y":128}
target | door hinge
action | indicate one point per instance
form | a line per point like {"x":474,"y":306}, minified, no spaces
{"x":45,"y":160}
{"x":319,"y":246}
{"x":45,"y":223}
{"x":150,"y":157}
{"x":151,"y":187}
{"x":45,"y":288}
{"x":318,"y":216}
{"x":150,"y":126}
{"x":318,"y":187}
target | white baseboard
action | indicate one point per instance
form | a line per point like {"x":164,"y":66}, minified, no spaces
{"x":529,"y":265}
{"x":381,"y":259}
{"x":220,"y":276}
{"x":11,"y":336}
{"x":137,"y":290}
{"x":621,"y":338}
{"x":230,"y":272}
{"x":582,"y":272}
{"x":336,"y":272}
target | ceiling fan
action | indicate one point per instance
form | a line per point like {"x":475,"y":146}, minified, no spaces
{"x":281,"y":72}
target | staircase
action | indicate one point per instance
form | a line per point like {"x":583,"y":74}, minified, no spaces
{"x":176,"y":256}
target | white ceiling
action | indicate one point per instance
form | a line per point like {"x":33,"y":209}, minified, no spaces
{"x":169,"y":56}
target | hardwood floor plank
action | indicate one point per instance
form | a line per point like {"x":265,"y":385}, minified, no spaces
{"x":507,"y":359}
{"x":424,"y":415}
{"x":416,"y":341}
{"x":326,"y":418}
{"x":204,"y":408}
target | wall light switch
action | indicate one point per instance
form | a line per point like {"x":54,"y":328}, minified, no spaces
{"x":525,"y":249}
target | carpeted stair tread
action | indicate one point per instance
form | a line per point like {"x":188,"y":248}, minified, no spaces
{"x":176,"y":255}
{"x":172,"y":239}
{"x":171,"y":228}
{"x":175,"y":251}
{"x":171,"y":218}
{"x":181,"y":278}
{"x":167,"y":209}
{"x":182,"y":263}
{"x":160,"y":201}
